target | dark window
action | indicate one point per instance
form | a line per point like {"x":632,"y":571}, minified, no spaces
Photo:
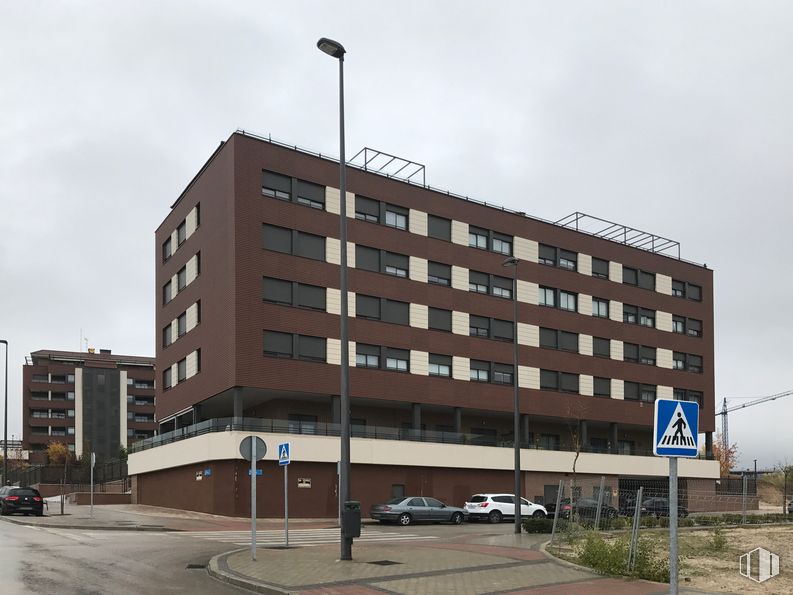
{"x":694,"y":327}
{"x":396,"y":217}
{"x":181,"y":370}
{"x":547,"y":297}
{"x":630,"y":276}
{"x":694,"y":292}
{"x":646,"y":280}
{"x":181,"y":324}
{"x":478,"y":326}
{"x":166,"y":336}
{"x":503,"y":330}
{"x":480,"y":371}
{"x":397,"y":360}
{"x":679,"y":324}
{"x":678,"y":361}
{"x":276,"y":185}
{"x":647,"y":355}
{"x":600,"y":268}
{"x":477,"y":238}
{"x":695,"y":363}
{"x":549,"y":380}
{"x":602,"y":387}
{"x":166,"y":378}
{"x":568,"y":260}
{"x":478,"y":282}
{"x":502,"y":244}
{"x":647,"y":317}
{"x":547,"y":255}
{"x":367,"y":258}
{"x":181,"y":233}
{"x":631,"y":391}
{"x":502,"y":287}
{"x":439,"y":228}
{"x":278,"y":291}
{"x":367,"y":356}
{"x":167,"y":293}
{"x":647,"y":393}
{"x":310,"y":296}
{"x":630,"y":352}
{"x":367,"y":306}
{"x":396,"y":312}
{"x":564,"y":259}
{"x":503,"y":373}
{"x":600,"y":308}
{"x":278,"y":344}
{"x":302,"y":424}
{"x":309,"y":246}
{"x":439,"y":273}
{"x":367,"y":209}
{"x":440,"y":365}
{"x":678,"y":288}
{"x":166,"y":249}
{"x":630,"y":314}
{"x":548,"y":338}
{"x":311,"y":348}
{"x":312,"y":195}
{"x":568,"y":301}
{"x":181,"y":279}
{"x":601,"y":347}
{"x":440,"y":319}
{"x":568,"y":341}
{"x":277,"y":238}
{"x":396,"y":264}
{"x":568,"y":382}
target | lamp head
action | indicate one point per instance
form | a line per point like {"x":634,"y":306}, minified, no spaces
{"x":510,"y":262}
{"x":331,"y":48}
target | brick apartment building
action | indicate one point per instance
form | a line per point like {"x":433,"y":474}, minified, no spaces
{"x":247,"y":314}
{"x":89,"y":401}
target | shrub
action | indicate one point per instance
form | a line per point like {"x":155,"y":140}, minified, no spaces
{"x":611,"y":558}
{"x":649,"y":521}
{"x":718,"y":542}
{"x":685,"y":522}
{"x":707,"y":521}
{"x":532,"y":525}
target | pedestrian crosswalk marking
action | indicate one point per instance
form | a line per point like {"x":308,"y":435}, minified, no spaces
{"x":302,"y":537}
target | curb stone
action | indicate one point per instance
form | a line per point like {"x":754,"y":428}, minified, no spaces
{"x":89,"y":527}
{"x":218,"y":569}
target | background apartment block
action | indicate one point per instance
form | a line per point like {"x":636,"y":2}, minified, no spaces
{"x":89,"y":401}
{"x":247,"y":276}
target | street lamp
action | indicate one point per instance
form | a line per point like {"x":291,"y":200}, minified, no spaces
{"x":513,"y":262}
{"x":336,"y":50}
{"x":5,"y":420}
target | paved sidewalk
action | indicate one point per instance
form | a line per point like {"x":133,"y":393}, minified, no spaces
{"x":503,"y":564}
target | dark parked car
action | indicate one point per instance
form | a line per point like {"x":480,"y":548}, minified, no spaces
{"x":24,"y":500}
{"x":660,"y":507}
{"x":417,"y":509}
{"x":586,"y":508}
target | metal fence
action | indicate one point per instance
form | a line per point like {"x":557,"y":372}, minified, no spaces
{"x":75,"y":476}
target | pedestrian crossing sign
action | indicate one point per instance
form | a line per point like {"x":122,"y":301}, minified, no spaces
{"x":676,"y":428}
{"x":283,"y":454}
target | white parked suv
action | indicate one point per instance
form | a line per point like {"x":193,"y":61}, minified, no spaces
{"x":496,"y":507}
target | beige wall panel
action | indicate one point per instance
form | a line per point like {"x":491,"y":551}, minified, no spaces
{"x":460,"y":278}
{"x":419,"y":314}
{"x":586,"y":385}
{"x":332,"y":202}
{"x":460,"y":323}
{"x":192,"y":269}
{"x":585,"y":344}
{"x":191,"y":224}
{"x":663,"y":284}
{"x":459,"y":233}
{"x":663,"y":358}
{"x":528,"y":334}
{"x":333,"y":350}
{"x":332,"y":251}
{"x":418,"y":269}
{"x":418,"y":222}
{"x":615,"y":311}
{"x":192,"y":364}
{"x":615,"y":272}
{"x":663,"y":321}
{"x":617,"y":350}
{"x":617,"y":389}
{"x":664,"y":392}
{"x":461,"y":368}
{"x":529,"y":377}
{"x":419,"y":363}
{"x":333,"y":301}
{"x":585,"y":304}
{"x":585,"y":264}
{"x":528,"y":292}
{"x":527,"y":250}
{"x":192,"y":317}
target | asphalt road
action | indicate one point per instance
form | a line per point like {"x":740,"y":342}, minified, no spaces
{"x":72,"y":562}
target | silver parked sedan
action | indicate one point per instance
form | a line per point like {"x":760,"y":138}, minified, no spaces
{"x":417,"y":509}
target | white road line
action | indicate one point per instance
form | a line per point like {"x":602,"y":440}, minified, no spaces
{"x":303,"y":537}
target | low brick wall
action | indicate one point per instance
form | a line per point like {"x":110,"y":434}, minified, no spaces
{"x":84,"y":498}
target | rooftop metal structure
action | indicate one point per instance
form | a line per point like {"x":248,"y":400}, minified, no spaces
{"x":389,"y":165}
{"x":623,"y":234}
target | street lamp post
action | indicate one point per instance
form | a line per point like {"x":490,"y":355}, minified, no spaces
{"x":336,"y":50}
{"x":513,"y":262}
{"x":5,"y":420}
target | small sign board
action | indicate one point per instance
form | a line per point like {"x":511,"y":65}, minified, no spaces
{"x":258,"y":472}
{"x":676,"y":428}
{"x":283,"y":454}
{"x":260,"y":448}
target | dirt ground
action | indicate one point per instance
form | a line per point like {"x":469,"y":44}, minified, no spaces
{"x":713,"y":570}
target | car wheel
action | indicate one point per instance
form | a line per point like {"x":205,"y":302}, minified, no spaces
{"x":40,"y":513}
{"x":538,"y":514}
{"x":495,"y":516}
{"x":457,"y":518}
{"x":3,"y":511}
{"x":405,"y":519}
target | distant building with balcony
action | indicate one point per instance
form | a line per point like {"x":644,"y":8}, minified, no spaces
{"x":96,"y":402}
{"x":248,"y":341}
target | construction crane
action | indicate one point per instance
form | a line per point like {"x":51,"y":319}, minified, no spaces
{"x":725,"y":442}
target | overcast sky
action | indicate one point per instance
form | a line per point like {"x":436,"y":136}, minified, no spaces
{"x":672,"y":117}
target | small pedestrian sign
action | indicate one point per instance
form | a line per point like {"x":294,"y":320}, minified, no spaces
{"x":676,"y":428}
{"x":283,"y":454}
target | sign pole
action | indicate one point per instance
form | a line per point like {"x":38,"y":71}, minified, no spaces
{"x":286,"y":505}
{"x":673,"y":525}
{"x":253,"y":500}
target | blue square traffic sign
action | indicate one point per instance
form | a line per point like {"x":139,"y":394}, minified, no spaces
{"x":676,"y":428}
{"x":283,"y":454}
